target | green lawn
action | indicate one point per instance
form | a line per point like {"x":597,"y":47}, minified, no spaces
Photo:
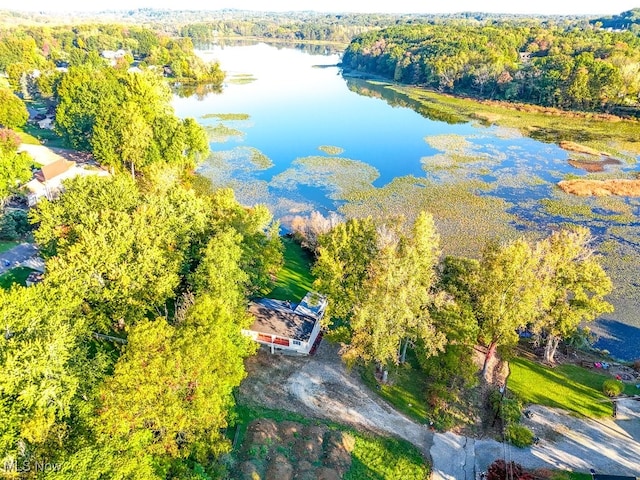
{"x":294,"y":279}
{"x":15,"y":275}
{"x":569,"y":387}
{"x":36,"y":135}
{"x":4,"y":246}
{"x":406,"y":389}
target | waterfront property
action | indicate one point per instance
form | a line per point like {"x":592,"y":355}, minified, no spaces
{"x":286,"y":327}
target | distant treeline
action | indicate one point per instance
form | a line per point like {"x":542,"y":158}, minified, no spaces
{"x":629,"y":20}
{"x":550,"y":65}
{"x":26,"y":49}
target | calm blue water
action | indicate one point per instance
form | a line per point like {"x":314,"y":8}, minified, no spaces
{"x":299,"y":102}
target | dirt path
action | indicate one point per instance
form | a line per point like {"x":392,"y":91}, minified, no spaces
{"x":321,"y":387}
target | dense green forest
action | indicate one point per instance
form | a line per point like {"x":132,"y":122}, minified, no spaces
{"x":123,"y":361}
{"x":566,"y":67}
{"x":26,"y":49}
{"x":629,"y":20}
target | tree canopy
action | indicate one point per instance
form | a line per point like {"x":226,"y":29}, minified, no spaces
{"x":546,"y":64}
{"x":122,"y":363}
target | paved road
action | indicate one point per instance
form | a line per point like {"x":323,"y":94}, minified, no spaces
{"x":18,"y":254}
{"x":609,"y":446}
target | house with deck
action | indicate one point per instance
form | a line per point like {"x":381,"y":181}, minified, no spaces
{"x":285,"y":327}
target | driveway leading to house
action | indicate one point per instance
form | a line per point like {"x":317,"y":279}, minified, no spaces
{"x":322,"y":387}
{"x":14,"y":257}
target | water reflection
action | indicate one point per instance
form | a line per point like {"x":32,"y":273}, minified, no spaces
{"x":432,"y":111}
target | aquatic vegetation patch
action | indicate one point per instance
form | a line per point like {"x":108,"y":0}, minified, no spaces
{"x":221,"y":133}
{"x":241,"y":78}
{"x":341,"y":176}
{"x":465,"y":219}
{"x":227,"y":116}
{"x":330,"y":149}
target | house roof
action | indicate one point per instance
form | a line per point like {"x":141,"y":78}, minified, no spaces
{"x":52,"y":170}
{"x":277,"y":317}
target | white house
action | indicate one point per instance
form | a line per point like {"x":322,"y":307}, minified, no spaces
{"x":285,"y":327}
{"x":47,"y":182}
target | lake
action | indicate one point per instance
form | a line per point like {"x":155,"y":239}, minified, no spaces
{"x":290,"y":131}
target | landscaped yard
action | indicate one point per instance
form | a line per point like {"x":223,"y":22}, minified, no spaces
{"x":15,"y":275}
{"x":406,"y":388}
{"x":294,"y":279}
{"x":569,"y":387}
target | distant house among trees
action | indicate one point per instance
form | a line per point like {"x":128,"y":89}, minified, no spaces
{"x":47,"y":182}
{"x":285,"y":327}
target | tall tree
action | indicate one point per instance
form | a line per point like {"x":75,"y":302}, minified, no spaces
{"x":15,"y":167}
{"x":13,"y":112}
{"x":386,"y":295}
{"x":506,"y":293}
{"x":574,"y":286}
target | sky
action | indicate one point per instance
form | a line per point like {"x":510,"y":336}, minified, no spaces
{"x":607,"y":7}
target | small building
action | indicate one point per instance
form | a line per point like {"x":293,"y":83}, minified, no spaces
{"x":47,"y":182}
{"x":285,"y":327}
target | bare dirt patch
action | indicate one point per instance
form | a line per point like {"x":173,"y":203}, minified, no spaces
{"x":289,"y":450}
{"x":321,"y":387}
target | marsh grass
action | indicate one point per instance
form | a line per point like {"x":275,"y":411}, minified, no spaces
{"x":619,"y":137}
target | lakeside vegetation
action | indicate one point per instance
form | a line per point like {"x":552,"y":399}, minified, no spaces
{"x":550,"y":65}
{"x":160,"y":259}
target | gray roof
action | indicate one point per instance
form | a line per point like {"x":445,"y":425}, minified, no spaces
{"x":277,"y":317}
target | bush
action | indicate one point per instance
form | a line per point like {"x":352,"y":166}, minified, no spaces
{"x":14,"y":225}
{"x":511,"y":409}
{"x":501,"y":470}
{"x":519,"y":435}
{"x":612,"y":388}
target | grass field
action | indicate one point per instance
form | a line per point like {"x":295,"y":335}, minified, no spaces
{"x":294,"y":279}
{"x":569,"y":387}
{"x":4,"y":246}
{"x":35,"y":135}
{"x":15,"y":275}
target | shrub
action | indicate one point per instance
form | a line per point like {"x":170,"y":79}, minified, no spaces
{"x":14,"y":225}
{"x":510,"y":410}
{"x":519,"y":435}
{"x":501,"y":470}
{"x":612,"y":388}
